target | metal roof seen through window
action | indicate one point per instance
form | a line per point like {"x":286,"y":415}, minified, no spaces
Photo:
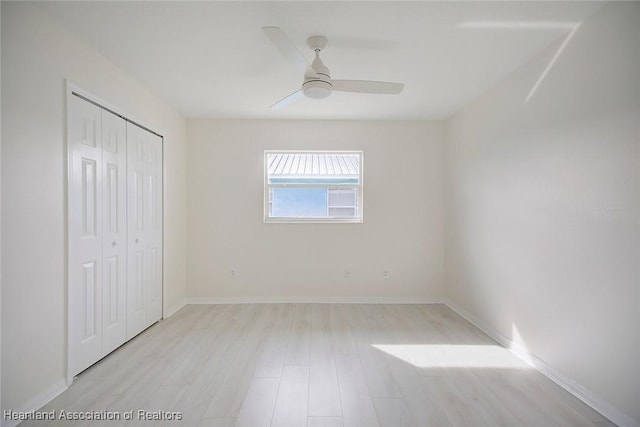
{"x":313,"y":164}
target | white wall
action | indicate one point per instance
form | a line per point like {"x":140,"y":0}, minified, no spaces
{"x":543,"y":210}
{"x":403,"y":214}
{"x":0,"y":211}
{"x":37,"y":57}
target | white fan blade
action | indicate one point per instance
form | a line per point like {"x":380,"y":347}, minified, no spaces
{"x":365,"y":86}
{"x":287,"y":48}
{"x":287,"y":100}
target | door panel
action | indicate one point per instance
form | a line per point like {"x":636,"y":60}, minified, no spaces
{"x":114,"y":245}
{"x":144,"y":168}
{"x":154,"y":286}
{"x":111,"y":291}
{"x":111,"y":220}
{"x":89,"y":197}
{"x":138,"y":281}
{"x":89,"y":301}
{"x":137,"y":201}
{"x":85,"y":235}
{"x":136,"y":170}
{"x":153,"y":231}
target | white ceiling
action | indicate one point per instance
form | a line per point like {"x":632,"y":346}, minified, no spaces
{"x":211,"y":59}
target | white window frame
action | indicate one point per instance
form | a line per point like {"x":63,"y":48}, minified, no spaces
{"x":359,"y":189}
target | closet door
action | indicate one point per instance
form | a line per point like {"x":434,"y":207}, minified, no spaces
{"x":114,"y":231}
{"x":153,"y":292}
{"x":85,"y":234}
{"x":144,"y":231}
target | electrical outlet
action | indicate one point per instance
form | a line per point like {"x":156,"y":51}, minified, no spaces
{"x":347,"y":274}
{"x":385,"y":274}
{"x":232,"y":272}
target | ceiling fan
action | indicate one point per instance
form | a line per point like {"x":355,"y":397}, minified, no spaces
{"x":317,"y":82}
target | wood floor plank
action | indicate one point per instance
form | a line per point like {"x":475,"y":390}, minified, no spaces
{"x":425,"y":407}
{"x":227,"y":401}
{"x":566,"y":405}
{"x":459,"y":405}
{"x":137,"y":388}
{"x":163,"y":397}
{"x":516,"y":400}
{"x":369,"y":320}
{"x":274,"y":353}
{"x":217,"y":422}
{"x":212,"y":316}
{"x":552,"y":400}
{"x":299,"y":344}
{"x":393,"y":412}
{"x":324,"y":394}
{"x":234,"y":325}
{"x":257,"y":407}
{"x":193,"y":401}
{"x":491,"y":410}
{"x":191,"y":365}
{"x":341,"y":333}
{"x":356,"y":402}
{"x":325,"y":422}
{"x":293,"y":398}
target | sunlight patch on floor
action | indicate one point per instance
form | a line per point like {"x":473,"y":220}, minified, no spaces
{"x":454,"y":356}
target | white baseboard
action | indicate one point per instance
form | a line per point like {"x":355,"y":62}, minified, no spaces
{"x":316,"y":300}
{"x":38,"y":401}
{"x":605,"y":408}
{"x":170,"y":311}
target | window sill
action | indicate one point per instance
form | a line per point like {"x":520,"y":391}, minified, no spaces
{"x":313,"y":221}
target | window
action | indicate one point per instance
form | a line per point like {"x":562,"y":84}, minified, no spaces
{"x":320,"y":186}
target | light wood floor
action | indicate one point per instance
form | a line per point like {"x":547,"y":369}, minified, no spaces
{"x":321,"y":365}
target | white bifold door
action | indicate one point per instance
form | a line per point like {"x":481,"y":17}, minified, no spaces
{"x":144,"y":240}
{"x":115,"y":232}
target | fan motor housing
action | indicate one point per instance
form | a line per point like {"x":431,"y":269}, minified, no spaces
{"x":317,"y":88}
